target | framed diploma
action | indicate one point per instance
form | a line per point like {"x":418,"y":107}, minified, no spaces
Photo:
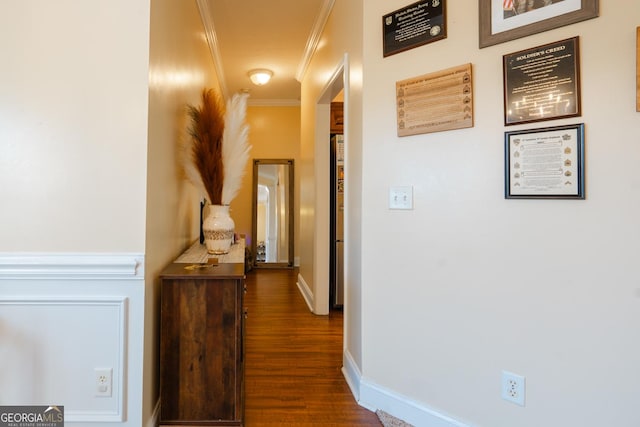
{"x":412,"y":26}
{"x":504,"y":20}
{"x":542,"y":83}
{"x":545,"y":163}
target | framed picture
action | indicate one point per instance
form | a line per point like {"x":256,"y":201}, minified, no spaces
{"x":638,"y":69}
{"x":417,"y":24}
{"x":504,"y":20}
{"x":542,"y":83}
{"x":546,"y":163}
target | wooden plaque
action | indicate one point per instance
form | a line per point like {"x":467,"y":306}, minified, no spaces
{"x":435,"y":102}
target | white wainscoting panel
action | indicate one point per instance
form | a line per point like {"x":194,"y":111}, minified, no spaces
{"x":62,"y":316}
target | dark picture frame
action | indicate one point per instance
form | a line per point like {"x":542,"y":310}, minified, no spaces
{"x":529,"y":23}
{"x":638,"y":69}
{"x":542,"y":83}
{"x":417,"y":24}
{"x":545,"y":163}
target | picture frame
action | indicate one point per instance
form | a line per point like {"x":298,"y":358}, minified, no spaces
{"x":417,"y":24}
{"x":638,"y":69}
{"x":542,"y":83}
{"x":497,"y":25}
{"x":545,"y":163}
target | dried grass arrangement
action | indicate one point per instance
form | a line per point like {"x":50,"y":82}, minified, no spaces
{"x":217,"y":152}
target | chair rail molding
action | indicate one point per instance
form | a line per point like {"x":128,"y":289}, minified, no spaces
{"x":71,"y":266}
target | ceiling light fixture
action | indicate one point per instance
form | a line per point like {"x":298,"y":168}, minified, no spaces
{"x":260,"y":76}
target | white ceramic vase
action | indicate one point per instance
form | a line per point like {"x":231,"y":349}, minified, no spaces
{"x":218,"y":228}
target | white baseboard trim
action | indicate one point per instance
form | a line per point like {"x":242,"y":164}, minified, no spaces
{"x":306,"y":292}
{"x":351,"y":373}
{"x":373,"y":397}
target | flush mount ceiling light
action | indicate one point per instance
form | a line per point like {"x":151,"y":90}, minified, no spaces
{"x":260,"y":76}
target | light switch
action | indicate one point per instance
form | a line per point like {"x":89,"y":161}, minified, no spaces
{"x":401,"y":197}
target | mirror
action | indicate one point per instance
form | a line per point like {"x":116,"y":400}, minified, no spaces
{"x":272,"y":224}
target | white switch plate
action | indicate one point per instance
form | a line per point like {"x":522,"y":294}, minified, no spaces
{"x":401,"y":197}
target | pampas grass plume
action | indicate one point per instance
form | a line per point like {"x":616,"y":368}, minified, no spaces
{"x":203,"y":163}
{"x":235,"y":146}
{"x":216,"y":154}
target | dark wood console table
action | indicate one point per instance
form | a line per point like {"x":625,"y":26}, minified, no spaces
{"x":202,"y":343}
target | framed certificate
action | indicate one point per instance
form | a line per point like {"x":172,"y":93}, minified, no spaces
{"x":415,"y":25}
{"x":504,"y":20}
{"x":638,"y":69}
{"x":542,"y":83}
{"x":545,"y":163}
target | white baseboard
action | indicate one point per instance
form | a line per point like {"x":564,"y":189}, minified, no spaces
{"x":306,"y":292}
{"x":373,"y":397}
{"x":351,"y":373}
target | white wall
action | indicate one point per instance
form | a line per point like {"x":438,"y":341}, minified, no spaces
{"x":452,"y":294}
{"x":73,"y":125}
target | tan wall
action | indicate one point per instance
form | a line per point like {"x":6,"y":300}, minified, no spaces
{"x":274,"y":134}
{"x":180,"y":67}
{"x":342,"y":34}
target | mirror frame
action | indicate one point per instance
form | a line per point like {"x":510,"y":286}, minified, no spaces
{"x":254,"y":213}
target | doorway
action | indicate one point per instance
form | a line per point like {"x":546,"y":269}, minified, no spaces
{"x":336,"y":194}
{"x":336,"y":90}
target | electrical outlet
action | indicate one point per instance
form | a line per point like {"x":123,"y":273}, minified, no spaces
{"x":103,"y":377}
{"x":513,"y":388}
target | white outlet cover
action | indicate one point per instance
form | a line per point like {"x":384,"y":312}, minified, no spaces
{"x":104,"y":382}
{"x":513,"y":388}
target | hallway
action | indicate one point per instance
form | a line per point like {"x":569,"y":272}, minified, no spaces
{"x":293,"y":359}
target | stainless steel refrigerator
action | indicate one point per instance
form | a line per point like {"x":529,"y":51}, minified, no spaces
{"x":337,"y":222}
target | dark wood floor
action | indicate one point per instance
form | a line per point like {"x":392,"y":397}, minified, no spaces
{"x":293,"y":359}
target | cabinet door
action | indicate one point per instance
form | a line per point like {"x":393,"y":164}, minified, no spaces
{"x":200,"y":350}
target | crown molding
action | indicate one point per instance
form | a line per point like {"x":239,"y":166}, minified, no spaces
{"x":273,"y":103}
{"x":212,"y":40}
{"x":314,"y":38}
